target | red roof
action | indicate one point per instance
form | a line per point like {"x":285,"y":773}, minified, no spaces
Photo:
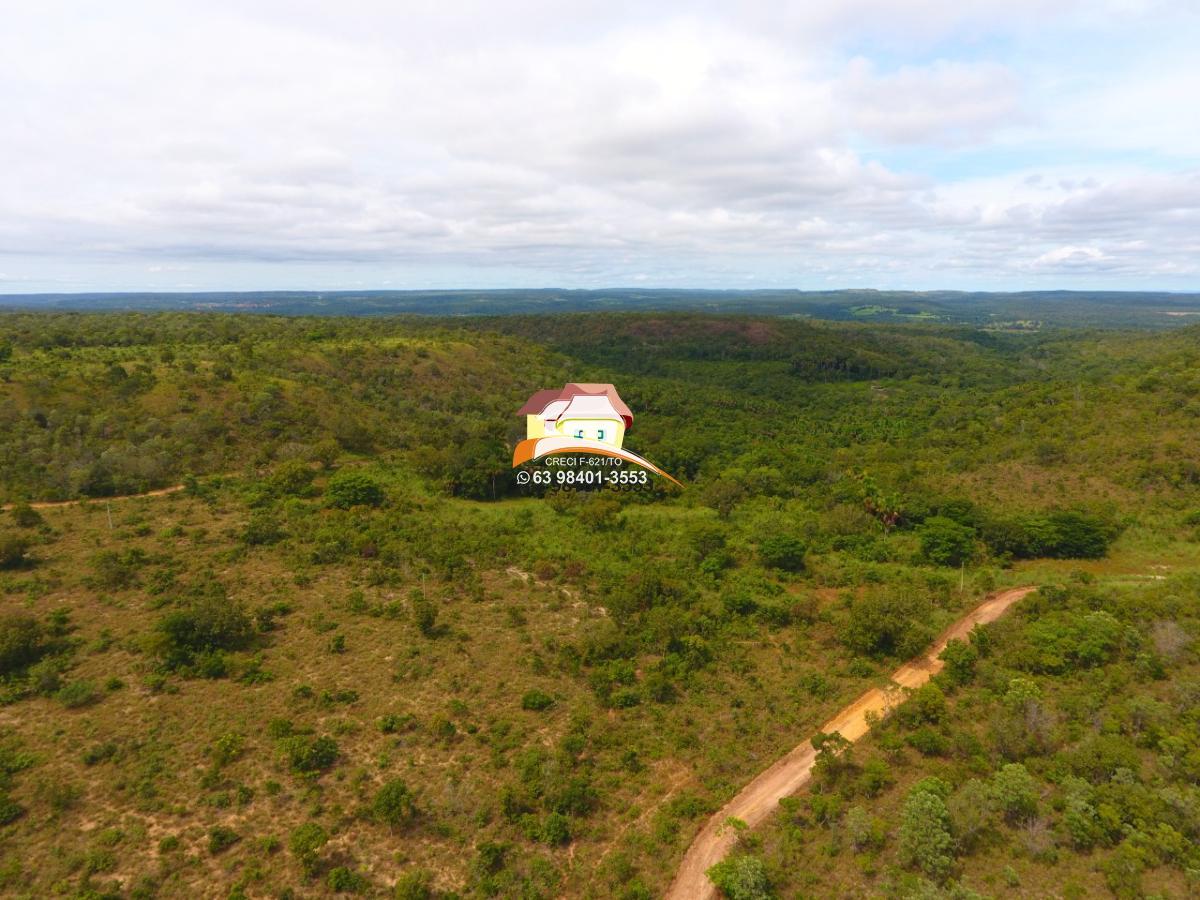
{"x":539,"y":401}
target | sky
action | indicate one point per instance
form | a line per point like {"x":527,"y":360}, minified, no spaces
{"x":310,"y":144}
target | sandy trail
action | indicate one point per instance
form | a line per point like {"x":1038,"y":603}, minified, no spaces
{"x":761,"y":796}
{"x":52,"y":504}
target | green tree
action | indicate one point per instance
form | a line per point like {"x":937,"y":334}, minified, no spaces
{"x":959,"y":659}
{"x":972,"y":811}
{"x":945,"y":542}
{"x":888,"y":622}
{"x":1015,"y":791}
{"x":926,"y":840}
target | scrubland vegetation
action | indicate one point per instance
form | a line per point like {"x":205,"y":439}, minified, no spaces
{"x":351,"y":656}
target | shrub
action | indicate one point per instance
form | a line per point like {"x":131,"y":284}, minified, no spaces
{"x":414,"y":885}
{"x":221,"y":839}
{"x":99,"y":753}
{"x":309,"y":755}
{"x":425,"y":615}
{"x":536,"y":700}
{"x":227,"y":748}
{"x":742,"y":878}
{"x":348,"y":488}
{"x":928,"y":742}
{"x":863,"y":831}
{"x":22,"y":642}
{"x":206,"y":624}
{"x":263,"y":529}
{"x":77,"y":694}
{"x":292,"y":479}
{"x":25,"y":516}
{"x":305,"y":843}
{"x":343,"y":880}
{"x":394,"y":804}
{"x":390,"y":723}
{"x":782,"y":551}
{"x":12,"y":550}
{"x":113,"y":569}
{"x":10,"y":809}
{"x":555,"y":830}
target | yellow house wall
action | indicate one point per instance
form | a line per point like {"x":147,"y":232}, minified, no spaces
{"x":614,"y":429}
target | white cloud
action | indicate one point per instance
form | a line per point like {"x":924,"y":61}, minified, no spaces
{"x":587,"y":143}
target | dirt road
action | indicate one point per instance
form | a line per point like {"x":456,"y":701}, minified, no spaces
{"x":51,"y":504}
{"x":760,"y":797}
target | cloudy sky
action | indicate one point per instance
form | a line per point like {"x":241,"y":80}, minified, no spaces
{"x":253,"y":144}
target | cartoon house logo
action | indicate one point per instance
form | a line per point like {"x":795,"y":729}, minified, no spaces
{"x":579,"y":418}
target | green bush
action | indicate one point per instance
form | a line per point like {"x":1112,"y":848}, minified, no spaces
{"x":205,"y":625}
{"x":221,"y":839}
{"x":348,"y":488}
{"x":292,"y":479}
{"x":310,"y":755}
{"x":12,"y":550}
{"x":10,"y":809}
{"x":22,"y":642}
{"x":343,"y":880}
{"x":394,"y":804}
{"x":414,"y":885}
{"x":305,"y":843}
{"x":536,"y":700}
{"x":77,"y":694}
{"x":424,"y":613}
{"x":117,"y":569}
{"x":263,"y":529}
{"x":782,"y":551}
{"x":742,"y":878}
{"x":555,"y":830}
{"x":25,"y":516}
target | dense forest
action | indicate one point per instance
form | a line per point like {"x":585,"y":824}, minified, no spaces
{"x":351,"y":654}
{"x":1019,"y":310}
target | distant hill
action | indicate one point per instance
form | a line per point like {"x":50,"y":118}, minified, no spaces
{"x":1023,"y":311}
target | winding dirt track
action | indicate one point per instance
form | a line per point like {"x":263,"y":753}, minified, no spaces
{"x":51,"y":504}
{"x":760,"y":797}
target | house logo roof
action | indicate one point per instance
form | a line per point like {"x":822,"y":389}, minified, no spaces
{"x":540,"y":401}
